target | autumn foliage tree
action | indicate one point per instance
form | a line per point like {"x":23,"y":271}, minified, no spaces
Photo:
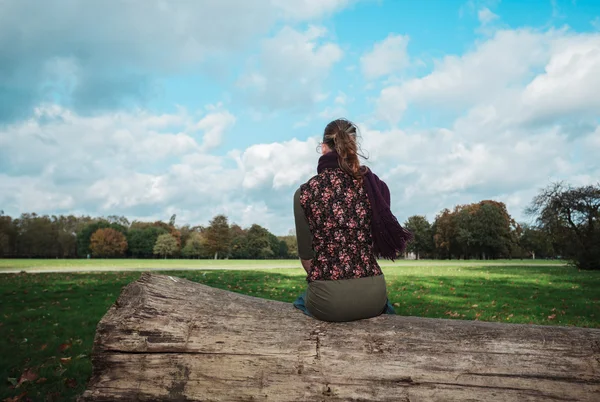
{"x":108,"y":242}
{"x":478,"y":230}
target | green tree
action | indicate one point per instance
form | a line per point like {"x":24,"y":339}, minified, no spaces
{"x":422,"y":242}
{"x":194,"y":247}
{"x":7,"y":235}
{"x":571,"y":215}
{"x":166,"y":245}
{"x":493,"y":229}
{"x":66,"y":228}
{"x":142,"y":238}
{"x":108,"y":243}
{"x":536,"y":242}
{"x":275,"y":246}
{"x":259,"y":242}
{"x":284,"y":251}
{"x":218,"y":236}
{"x":291,"y":243}
{"x":238,"y":248}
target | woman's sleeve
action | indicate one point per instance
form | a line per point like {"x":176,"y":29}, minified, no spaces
{"x":303,"y":235}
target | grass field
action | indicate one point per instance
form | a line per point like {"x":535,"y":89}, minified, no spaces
{"x":48,"y":320}
{"x":135,"y":264}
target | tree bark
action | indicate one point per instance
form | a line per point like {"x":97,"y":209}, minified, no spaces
{"x":167,"y":338}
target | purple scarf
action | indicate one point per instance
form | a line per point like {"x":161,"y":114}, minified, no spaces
{"x":389,"y":237}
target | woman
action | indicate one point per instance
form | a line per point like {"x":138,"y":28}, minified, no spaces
{"x":343,"y":222}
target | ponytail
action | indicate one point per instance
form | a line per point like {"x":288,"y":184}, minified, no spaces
{"x":341,"y":135}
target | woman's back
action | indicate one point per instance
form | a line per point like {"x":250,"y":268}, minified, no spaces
{"x":343,"y":222}
{"x":338,"y":212}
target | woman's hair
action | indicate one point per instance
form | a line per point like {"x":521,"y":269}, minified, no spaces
{"x":341,"y":135}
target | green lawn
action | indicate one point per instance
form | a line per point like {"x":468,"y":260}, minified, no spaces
{"x":135,"y":264}
{"x":48,"y":320}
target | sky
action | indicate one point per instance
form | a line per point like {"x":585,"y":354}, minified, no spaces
{"x":148,"y":108}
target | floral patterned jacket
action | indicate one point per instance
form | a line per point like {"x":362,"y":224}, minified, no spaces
{"x":338,"y":213}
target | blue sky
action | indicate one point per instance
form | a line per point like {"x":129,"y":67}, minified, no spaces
{"x":149,"y":108}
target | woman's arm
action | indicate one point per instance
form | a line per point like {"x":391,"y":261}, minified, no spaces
{"x":306,"y":264}
{"x":303,"y":235}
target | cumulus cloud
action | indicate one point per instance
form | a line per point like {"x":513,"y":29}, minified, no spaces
{"x":291,"y":68}
{"x":387,"y":57}
{"x":496,"y":72}
{"x":517,"y":125}
{"x":148,"y":166}
{"x":98,"y":55}
{"x":214,"y":126}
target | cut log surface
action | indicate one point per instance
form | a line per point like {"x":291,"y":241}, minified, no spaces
{"x":168,"y":338}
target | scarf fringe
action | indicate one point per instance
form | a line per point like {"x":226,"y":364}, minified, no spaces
{"x":391,"y":239}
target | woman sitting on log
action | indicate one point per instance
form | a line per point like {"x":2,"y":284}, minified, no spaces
{"x":343,"y":223}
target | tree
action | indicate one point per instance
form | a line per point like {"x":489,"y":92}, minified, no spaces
{"x":238,"y":248}
{"x":284,"y":251}
{"x":571,"y":215}
{"x":66,"y":228}
{"x":7,"y":235}
{"x":422,"y":242}
{"x":218,"y":236}
{"x":142,"y":238}
{"x":108,"y":242}
{"x":444,"y":229}
{"x":292,"y":244}
{"x":536,"y":242}
{"x":481,"y":230}
{"x":259,"y":242}
{"x":85,"y":234}
{"x":275,"y":246}
{"x":194,"y":247}
{"x":165,"y":245}
{"x":492,"y":229}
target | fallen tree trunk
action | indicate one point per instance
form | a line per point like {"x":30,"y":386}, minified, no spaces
{"x":168,"y":338}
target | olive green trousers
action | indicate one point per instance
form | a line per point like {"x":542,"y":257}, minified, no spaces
{"x":347,"y":299}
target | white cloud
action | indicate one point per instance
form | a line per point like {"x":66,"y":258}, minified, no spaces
{"x":291,"y":68}
{"x":570,"y":83}
{"x":486,"y":16}
{"x":535,"y":74}
{"x":94,"y":57}
{"x":146,"y":167}
{"x":387,"y":57}
{"x":524,"y":106}
{"x":596,"y":23}
{"x":278,"y":165}
{"x":214,"y":126}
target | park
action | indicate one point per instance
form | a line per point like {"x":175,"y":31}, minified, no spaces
{"x":299,"y":200}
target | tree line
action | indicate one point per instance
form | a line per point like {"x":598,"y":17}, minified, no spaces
{"x":43,"y":236}
{"x":566,"y":226}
